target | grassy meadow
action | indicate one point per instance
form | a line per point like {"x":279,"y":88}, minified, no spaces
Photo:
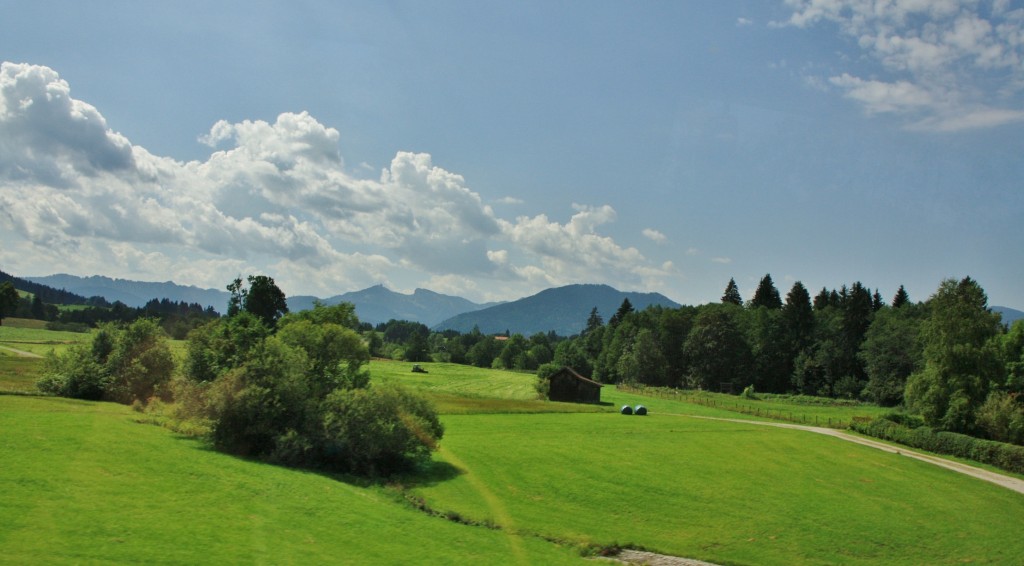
{"x":81,"y":482}
{"x":527,"y":482}
{"x":814,"y":411}
{"x":724,"y":492}
{"x":31,"y":336}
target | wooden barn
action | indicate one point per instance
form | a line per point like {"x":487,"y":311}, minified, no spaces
{"x":568,"y":386}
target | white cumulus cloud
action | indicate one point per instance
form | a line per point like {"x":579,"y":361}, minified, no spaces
{"x":654,"y":236}
{"x":272,"y":197}
{"x":945,"y":65}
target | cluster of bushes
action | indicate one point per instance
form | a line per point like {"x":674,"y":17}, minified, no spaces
{"x":125,"y":364}
{"x":292,"y":390}
{"x":910,"y":431}
{"x":299,"y":395}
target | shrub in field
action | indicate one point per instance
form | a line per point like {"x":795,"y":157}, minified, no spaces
{"x":378,"y":430}
{"x":139,"y":361}
{"x":122,"y":364}
{"x":544,"y":374}
{"x":1001,"y":417}
{"x":256,"y":403}
{"x":905,"y":419}
{"x":74,"y":374}
{"x":301,"y":396}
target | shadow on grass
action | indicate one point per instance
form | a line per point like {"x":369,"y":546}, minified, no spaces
{"x":425,"y":474}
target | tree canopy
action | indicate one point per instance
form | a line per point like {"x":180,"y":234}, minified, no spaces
{"x":961,"y":358}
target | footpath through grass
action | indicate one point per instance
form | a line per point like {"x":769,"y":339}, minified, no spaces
{"x":82,"y":483}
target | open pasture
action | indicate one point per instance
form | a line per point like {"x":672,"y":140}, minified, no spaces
{"x":725,"y":492}
{"x":459,"y":389}
{"x":32,"y":336}
{"x":84,"y":482}
{"x":18,"y":374}
{"x":815,"y":411}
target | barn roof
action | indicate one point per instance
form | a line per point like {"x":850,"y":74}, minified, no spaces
{"x":572,"y":372}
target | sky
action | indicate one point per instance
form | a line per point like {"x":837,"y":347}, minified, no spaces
{"x":491,"y":150}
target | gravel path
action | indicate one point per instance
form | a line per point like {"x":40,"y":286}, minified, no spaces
{"x":655,"y":559}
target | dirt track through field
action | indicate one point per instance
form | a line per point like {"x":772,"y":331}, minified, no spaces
{"x":21,"y":353}
{"x":497,"y":508}
{"x":1001,"y":480}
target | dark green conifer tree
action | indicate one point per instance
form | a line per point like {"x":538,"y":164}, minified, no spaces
{"x":732,"y":293}
{"x":766,"y":294}
{"x":901,"y":298}
{"x":624,"y":309}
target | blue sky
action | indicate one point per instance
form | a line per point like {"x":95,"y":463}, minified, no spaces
{"x":491,"y":150}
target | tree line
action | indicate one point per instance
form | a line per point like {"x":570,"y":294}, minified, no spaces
{"x":948,"y":358}
{"x":178,"y":318}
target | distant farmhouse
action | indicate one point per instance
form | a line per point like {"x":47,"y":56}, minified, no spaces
{"x":568,"y":386}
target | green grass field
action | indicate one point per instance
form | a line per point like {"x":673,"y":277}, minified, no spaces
{"x":19,"y":373}
{"x":459,"y":389}
{"x":84,"y":482}
{"x":814,"y":411}
{"x":719,"y":491}
{"x":32,"y":336}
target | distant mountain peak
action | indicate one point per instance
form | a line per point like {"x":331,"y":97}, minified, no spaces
{"x":561,"y":309}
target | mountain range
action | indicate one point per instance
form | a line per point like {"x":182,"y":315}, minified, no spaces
{"x":134,"y":293}
{"x":379,"y":304}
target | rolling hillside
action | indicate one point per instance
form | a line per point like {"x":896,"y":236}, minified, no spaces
{"x":1009,"y":315}
{"x":135,"y":293}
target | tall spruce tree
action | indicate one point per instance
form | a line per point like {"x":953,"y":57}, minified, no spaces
{"x":732,"y":294}
{"x":901,"y":298}
{"x":798,"y":318}
{"x":594,"y":321}
{"x":876,"y":301}
{"x":624,"y":309}
{"x":766,"y":294}
{"x":821,"y":300}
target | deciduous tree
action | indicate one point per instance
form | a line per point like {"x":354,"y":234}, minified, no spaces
{"x":961,"y":359}
{"x":716,"y":349}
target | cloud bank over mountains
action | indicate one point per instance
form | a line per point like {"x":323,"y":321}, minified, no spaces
{"x":273,"y":198}
{"x":945,"y":65}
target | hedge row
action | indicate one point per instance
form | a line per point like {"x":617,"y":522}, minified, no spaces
{"x":1004,"y":456}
